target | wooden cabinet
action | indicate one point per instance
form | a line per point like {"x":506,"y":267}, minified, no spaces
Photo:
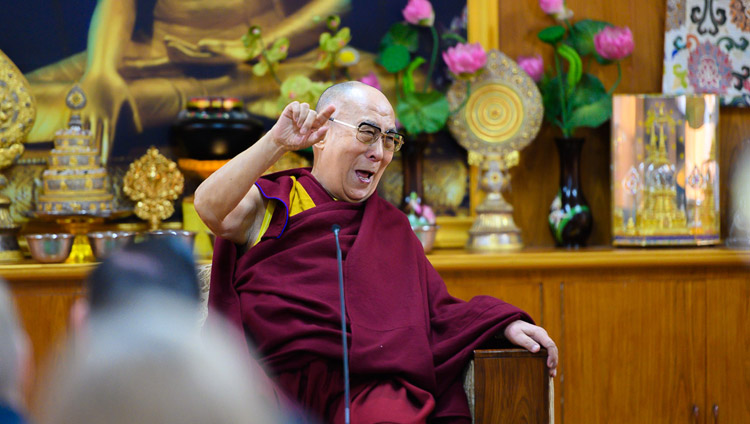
{"x":645,"y":335}
{"x":634,"y":350}
{"x":728,"y":346}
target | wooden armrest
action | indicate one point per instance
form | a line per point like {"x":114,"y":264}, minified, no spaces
{"x":512,"y":385}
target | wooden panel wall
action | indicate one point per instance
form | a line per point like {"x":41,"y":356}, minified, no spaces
{"x":535,"y":180}
{"x":44,"y":309}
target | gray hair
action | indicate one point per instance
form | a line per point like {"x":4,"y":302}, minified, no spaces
{"x":12,"y":347}
{"x":150,"y":362}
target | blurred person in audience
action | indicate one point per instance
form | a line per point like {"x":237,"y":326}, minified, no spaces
{"x":154,"y":265}
{"x":146,"y":361}
{"x":15,"y":361}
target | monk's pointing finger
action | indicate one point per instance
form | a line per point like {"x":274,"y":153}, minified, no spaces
{"x":320,"y":120}
{"x":304,"y":110}
{"x":326,"y":114}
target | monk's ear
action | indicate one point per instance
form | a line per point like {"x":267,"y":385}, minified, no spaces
{"x":319,"y":146}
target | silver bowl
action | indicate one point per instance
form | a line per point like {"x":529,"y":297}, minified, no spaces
{"x":426,"y":235}
{"x":50,"y":248}
{"x":187,"y":237}
{"x":104,"y":242}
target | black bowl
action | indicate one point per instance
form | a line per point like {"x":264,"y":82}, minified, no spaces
{"x":214,"y":128}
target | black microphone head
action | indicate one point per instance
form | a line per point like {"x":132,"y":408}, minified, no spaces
{"x":335,"y":228}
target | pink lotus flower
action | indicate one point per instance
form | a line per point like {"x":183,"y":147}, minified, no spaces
{"x":532,"y":65}
{"x":614,"y":43}
{"x":552,"y":7}
{"x":371,"y":79}
{"x":419,"y":12}
{"x":465,"y":60}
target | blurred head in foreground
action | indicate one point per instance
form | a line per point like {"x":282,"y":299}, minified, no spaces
{"x":149,"y":362}
{"x":15,"y":355}
{"x":162,"y":265}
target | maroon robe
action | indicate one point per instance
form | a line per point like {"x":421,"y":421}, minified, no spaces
{"x":401,"y":321}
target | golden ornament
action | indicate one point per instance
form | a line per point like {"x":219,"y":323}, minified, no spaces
{"x":153,"y":182}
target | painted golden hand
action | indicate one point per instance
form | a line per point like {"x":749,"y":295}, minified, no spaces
{"x":211,"y":51}
{"x":107,"y":92}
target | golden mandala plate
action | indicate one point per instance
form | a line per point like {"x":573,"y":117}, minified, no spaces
{"x":17,"y":108}
{"x":504,"y":110}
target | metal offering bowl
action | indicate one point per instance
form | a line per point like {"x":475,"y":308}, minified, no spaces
{"x":184,"y":235}
{"x":104,"y":242}
{"x":426,"y":234}
{"x":50,"y":248}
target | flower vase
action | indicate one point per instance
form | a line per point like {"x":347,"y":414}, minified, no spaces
{"x":570,"y":218}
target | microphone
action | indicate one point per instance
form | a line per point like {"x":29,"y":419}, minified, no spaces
{"x":336,"y":228}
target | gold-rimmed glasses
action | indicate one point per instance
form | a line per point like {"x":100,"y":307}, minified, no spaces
{"x":370,"y":134}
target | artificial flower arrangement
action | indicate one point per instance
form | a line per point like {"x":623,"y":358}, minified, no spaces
{"x":424,"y":109}
{"x":422,"y":221}
{"x":334,"y":58}
{"x":419,"y":215}
{"x":574,"y":98}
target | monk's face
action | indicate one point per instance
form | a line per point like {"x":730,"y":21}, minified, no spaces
{"x":347,"y":168}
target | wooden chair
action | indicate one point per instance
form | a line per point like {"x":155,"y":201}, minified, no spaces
{"x":509,"y":385}
{"x":504,"y":384}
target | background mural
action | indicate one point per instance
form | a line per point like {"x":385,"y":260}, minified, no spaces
{"x":139,"y":61}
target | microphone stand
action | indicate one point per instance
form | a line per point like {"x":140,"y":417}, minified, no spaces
{"x":336,"y":230}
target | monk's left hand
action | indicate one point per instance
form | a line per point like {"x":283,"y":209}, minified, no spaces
{"x":530,"y":337}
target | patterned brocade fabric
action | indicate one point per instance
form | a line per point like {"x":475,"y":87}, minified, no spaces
{"x":707,"y":49}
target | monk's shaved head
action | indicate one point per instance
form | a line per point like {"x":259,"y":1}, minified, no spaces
{"x":339,"y":92}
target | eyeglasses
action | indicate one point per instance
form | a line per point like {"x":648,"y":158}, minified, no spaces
{"x":370,"y":134}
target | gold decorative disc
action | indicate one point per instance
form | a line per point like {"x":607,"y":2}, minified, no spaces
{"x":17,"y":109}
{"x":494,"y":113}
{"x":503,"y":112}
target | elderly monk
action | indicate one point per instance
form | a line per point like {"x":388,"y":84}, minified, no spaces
{"x":275,"y":272}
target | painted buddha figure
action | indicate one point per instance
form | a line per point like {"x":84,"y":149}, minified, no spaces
{"x":149,"y":56}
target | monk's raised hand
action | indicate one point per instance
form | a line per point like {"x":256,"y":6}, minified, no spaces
{"x":300,"y":127}
{"x":530,"y":337}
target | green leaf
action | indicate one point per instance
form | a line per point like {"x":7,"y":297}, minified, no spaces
{"x":589,"y":90}
{"x":252,"y":42}
{"x":401,"y":34}
{"x":260,"y":68}
{"x":324,"y":39}
{"x":325,"y":60}
{"x":575,"y":67}
{"x":552,"y":35}
{"x":590,"y":104}
{"x":591,"y":115}
{"x":423,"y":112}
{"x":341,"y":38}
{"x":394,"y":58}
{"x":409,"y":85}
{"x":338,"y":41}
{"x":333,"y":22}
{"x":300,"y":88}
{"x":278,"y":50}
{"x":582,"y":36}
{"x":551,"y":98}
